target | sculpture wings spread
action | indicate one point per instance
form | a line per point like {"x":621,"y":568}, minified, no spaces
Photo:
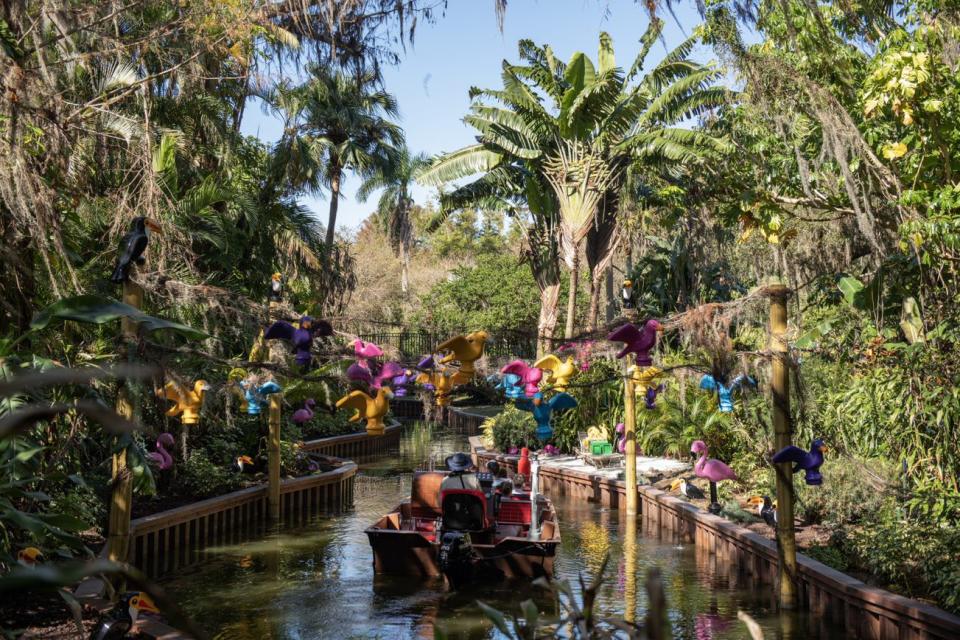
{"x":562,"y":401}
{"x":174,"y":393}
{"x":280,"y":330}
{"x":628,"y":334}
{"x":549,"y":363}
{"x":356,"y":400}
{"x":529,"y":375}
{"x":388,"y":372}
{"x":366,"y":349}
{"x":269,"y":387}
{"x":454,"y":348}
{"x":796,"y":455}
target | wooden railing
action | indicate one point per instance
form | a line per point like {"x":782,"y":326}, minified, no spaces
{"x":358,"y":447}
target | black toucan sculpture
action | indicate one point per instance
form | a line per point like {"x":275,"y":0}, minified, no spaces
{"x":132,"y":247}
{"x":117,"y":623}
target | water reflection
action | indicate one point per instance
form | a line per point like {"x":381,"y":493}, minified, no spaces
{"x":317,"y":582}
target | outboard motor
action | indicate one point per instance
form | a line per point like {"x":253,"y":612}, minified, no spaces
{"x":457,"y":558}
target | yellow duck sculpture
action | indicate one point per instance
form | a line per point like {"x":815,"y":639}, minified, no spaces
{"x":560,"y":370}
{"x":188,"y":401}
{"x":371,"y":409}
{"x":442,"y":385}
{"x":234,"y":377}
{"x":466,"y":349}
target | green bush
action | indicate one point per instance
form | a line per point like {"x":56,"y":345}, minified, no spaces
{"x":513,"y":428}
{"x":82,"y":503}
{"x":198,"y":477}
{"x":853,"y":491}
{"x":599,"y":395}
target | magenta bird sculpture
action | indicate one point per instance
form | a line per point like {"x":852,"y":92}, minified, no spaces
{"x":639,"y":341}
{"x":529,"y":376}
{"x":711,"y":469}
{"x":550,"y":450}
{"x":621,"y":438}
{"x":387,"y":373}
{"x":161,"y":457}
{"x":304,"y":415}
{"x":365,"y":350}
{"x":357,"y":372}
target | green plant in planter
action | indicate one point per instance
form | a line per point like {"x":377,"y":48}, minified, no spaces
{"x":513,"y":428}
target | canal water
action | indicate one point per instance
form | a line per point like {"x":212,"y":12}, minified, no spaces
{"x":317,"y":582}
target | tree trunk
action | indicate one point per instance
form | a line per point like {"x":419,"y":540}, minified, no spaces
{"x":572,"y":294}
{"x":404,"y":269}
{"x":335,"y":175}
{"x":549,"y":301}
{"x":595,"y":289}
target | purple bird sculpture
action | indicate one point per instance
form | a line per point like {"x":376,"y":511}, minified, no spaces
{"x":808,"y":461}
{"x":621,"y":438}
{"x":637,"y":341}
{"x":650,"y":397}
{"x":428,"y":363}
{"x":402,"y":382}
{"x":300,"y":338}
{"x":357,"y":372}
{"x":304,"y":415}
{"x":529,"y":376}
{"x":711,"y":469}
{"x":387,"y":373}
{"x":550,"y":450}
{"x":161,"y":457}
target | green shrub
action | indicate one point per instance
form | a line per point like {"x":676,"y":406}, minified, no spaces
{"x":198,"y":477}
{"x":599,"y":395}
{"x":829,"y":555}
{"x":514,"y":428}
{"x":80,"y":502}
{"x":852,"y":491}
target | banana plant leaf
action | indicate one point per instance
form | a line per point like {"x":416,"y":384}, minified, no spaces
{"x":94,"y":309}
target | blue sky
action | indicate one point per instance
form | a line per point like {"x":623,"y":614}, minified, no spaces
{"x":465,"y":48}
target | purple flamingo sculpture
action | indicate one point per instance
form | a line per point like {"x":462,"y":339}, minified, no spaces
{"x":711,"y":469}
{"x":808,"y":461}
{"x":161,"y":457}
{"x":304,"y":415}
{"x":529,"y":376}
{"x":638,"y":341}
{"x":621,"y":438}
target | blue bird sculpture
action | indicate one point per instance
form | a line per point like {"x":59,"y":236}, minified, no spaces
{"x":256,"y":395}
{"x":510,"y":384}
{"x":542,"y":410}
{"x":725,"y":391}
{"x":808,"y":461}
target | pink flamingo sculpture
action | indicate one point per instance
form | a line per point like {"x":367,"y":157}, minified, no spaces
{"x":301,"y":416}
{"x":621,"y":438}
{"x":161,"y":457}
{"x":388,"y":372}
{"x":711,"y":469}
{"x":529,"y":376}
{"x":365,"y":350}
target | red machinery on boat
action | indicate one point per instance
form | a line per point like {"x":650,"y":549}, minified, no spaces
{"x":465,"y":534}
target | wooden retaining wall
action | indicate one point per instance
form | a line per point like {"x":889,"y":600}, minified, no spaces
{"x":407,"y":408}
{"x":465,"y":421}
{"x":358,"y":447}
{"x":725,"y":548}
{"x":176,"y":538}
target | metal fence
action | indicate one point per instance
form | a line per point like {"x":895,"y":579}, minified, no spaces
{"x":413,"y":344}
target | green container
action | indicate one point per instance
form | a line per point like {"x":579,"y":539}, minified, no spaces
{"x":600,"y":448}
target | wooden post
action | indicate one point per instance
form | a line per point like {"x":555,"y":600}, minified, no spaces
{"x":121,"y":500}
{"x":630,"y":571}
{"x":780,"y":386}
{"x":273,"y":458}
{"x":630,"y":433}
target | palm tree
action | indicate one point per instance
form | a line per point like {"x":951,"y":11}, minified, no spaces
{"x":579,"y":127}
{"x":396,"y":203}
{"x":335,"y":123}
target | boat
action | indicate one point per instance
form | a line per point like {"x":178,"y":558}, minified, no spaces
{"x":467,"y":535}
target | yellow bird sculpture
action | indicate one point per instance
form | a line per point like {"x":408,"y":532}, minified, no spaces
{"x":560,"y":370}
{"x":466,"y":349}
{"x":644,"y":378}
{"x":188,"y":401}
{"x":234,"y":378}
{"x":371,"y":409}
{"x":442,"y":386}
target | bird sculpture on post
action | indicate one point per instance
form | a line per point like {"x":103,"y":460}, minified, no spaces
{"x":529,"y":376}
{"x":725,"y":391}
{"x":357,"y":372}
{"x":645,"y":381}
{"x":808,"y":461}
{"x":465,"y":349}
{"x":509,"y":383}
{"x":711,"y":469}
{"x":256,"y":394}
{"x":275,"y":291}
{"x":371,"y":409}
{"x":365,"y":351}
{"x":300,"y":338}
{"x":441,"y":383}
{"x":187,"y":402}
{"x":542,"y":411}
{"x":386,"y":375}
{"x":162,"y":457}
{"x":638,"y":341}
{"x":118,"y":621}
{"x":132,"y":246}
{"x":560,"y":370}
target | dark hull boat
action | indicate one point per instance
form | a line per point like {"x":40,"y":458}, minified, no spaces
{"x":465,"y":535}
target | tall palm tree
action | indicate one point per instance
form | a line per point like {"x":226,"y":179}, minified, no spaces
{"x":334,"y":124}
{"x":579,"y":126}
{"x":396,"y":203}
